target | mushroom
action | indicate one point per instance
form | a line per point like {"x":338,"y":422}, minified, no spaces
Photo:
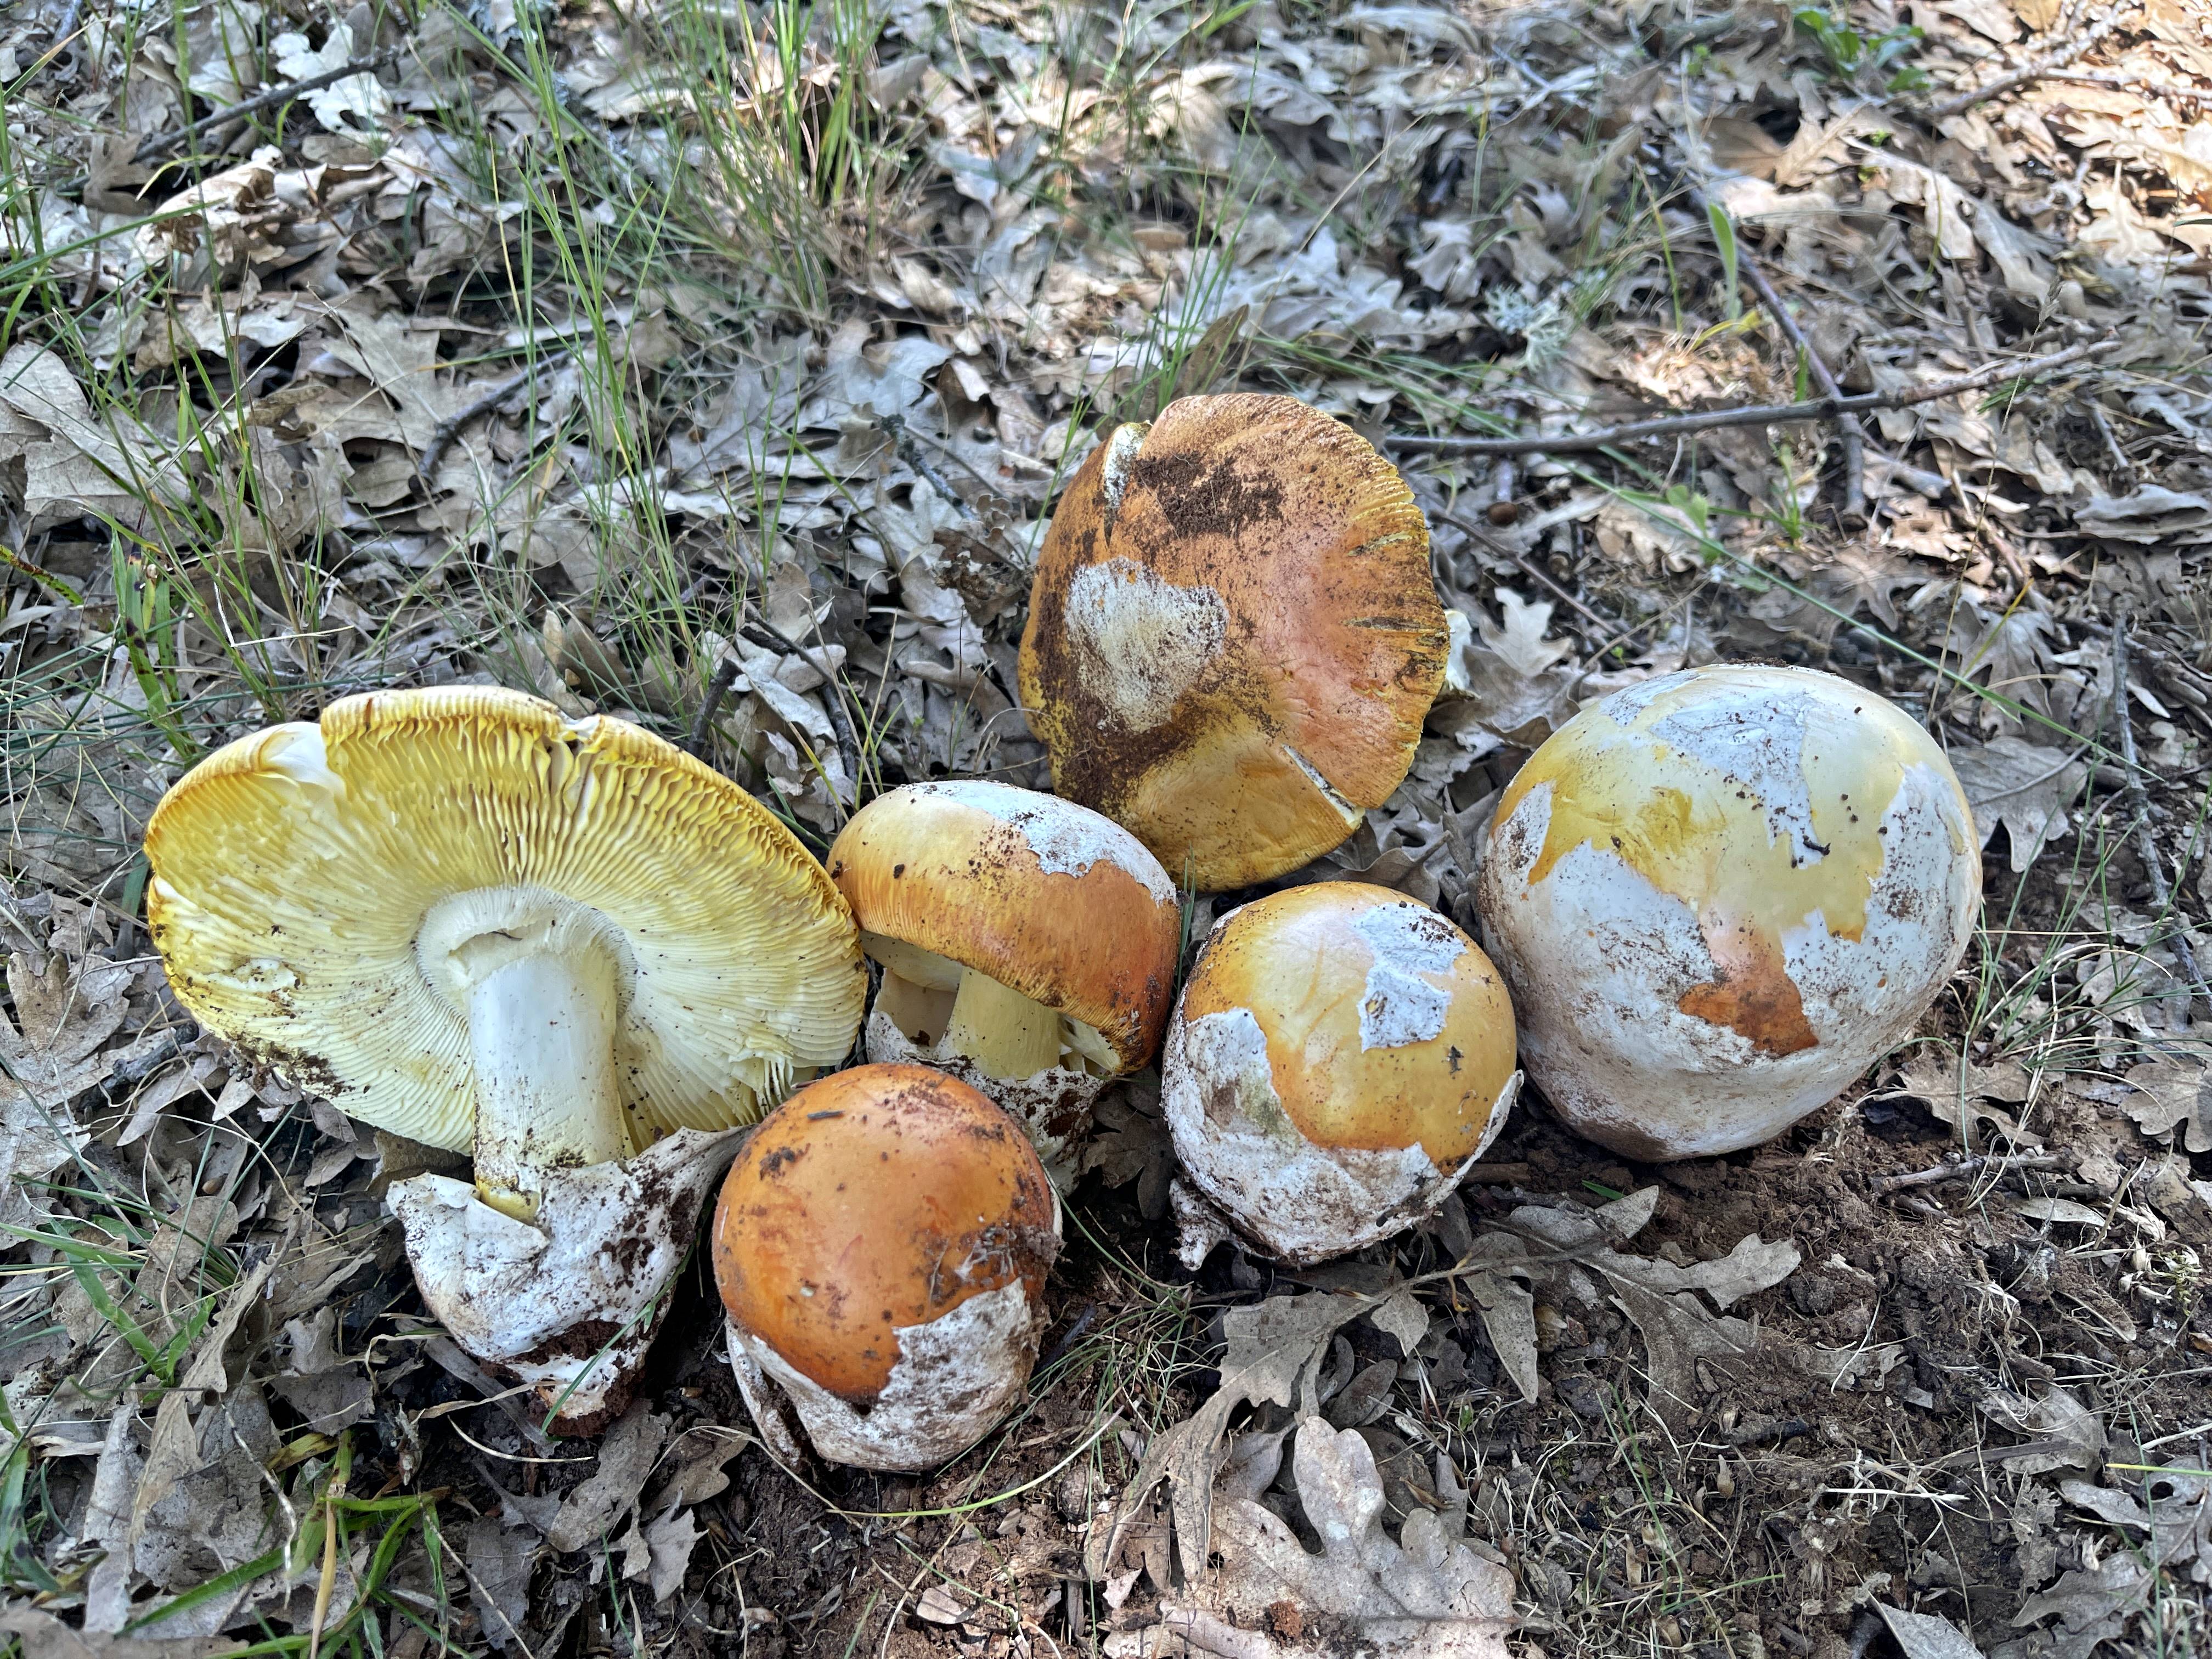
{"x":1718,"y":896}
{"x":1028,"y":944}
{"x":882,"y":1246}
{"x":1339,"y":1056}
{"x":1233,"y":635}
{"x":565,"y":946}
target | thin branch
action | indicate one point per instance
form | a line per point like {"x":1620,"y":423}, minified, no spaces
{"x":253,"y":106}
{"x":717,"y":687}
{"x":1853,"y":441}
{"x":760,"y":631}
{"x":450,"y":428}
{"x":1521,"y":562}
{"x":2035,"y":69}
{"x":2138,"y":799}
{"x":1813,"y":409}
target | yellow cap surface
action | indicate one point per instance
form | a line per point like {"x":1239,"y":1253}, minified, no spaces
{"x":293,"y":870}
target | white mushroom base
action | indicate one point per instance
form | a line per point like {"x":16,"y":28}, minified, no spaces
{"x":1053,"y":1107}
{"x":1274,"y":1189}
{"x":955,"y":1379}
{"x":568,"y":1305}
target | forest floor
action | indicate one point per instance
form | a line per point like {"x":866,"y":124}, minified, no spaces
{"x":559,"y":347}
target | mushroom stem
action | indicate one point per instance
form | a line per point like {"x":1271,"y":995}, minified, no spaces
{"x":1006,"y":1034}
{"x":542,"y":1027}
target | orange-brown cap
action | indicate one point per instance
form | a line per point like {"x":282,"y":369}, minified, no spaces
{"x":879,"y":1198}
{"x":1233,"y":635}
{"x":1340,"y":1053}
{"x":1048,"y":898}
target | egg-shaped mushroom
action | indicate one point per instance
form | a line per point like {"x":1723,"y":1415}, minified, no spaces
{"x":882,"y":1245}
{"x":1028,"y":944}
{"x":1718,"y":896}
{"x":1339,"y":1055}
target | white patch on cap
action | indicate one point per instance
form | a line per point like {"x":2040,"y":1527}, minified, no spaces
{"x":1114,"y":471}
{"x":1066,"y":839}
{"x":1144,"y":641}
{"x":1399,"y":1006}
{"x":1754,"y":737}
{"x":954,"y":1378}
{"x":1345,"y":809}
{"x":1626,"y":706}
{"x":1287,"y":1197}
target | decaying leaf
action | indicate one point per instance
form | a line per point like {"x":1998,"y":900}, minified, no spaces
{"x":2025,"y":786}
{"x":1431,"y":1594}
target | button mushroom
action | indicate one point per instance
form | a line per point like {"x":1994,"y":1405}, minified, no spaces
{"x":1028,"y":944}
{"x":1339,"y":1055}
{"x":565,"y":946}
{"x":882,"y":1246}
{"x":1233,"y":635}
{"x":1718,"y":896}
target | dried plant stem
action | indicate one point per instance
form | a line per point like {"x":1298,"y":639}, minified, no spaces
{"x":2138,"y":799}
{"x":1522,"y":562}
{"x":450,"y":428}
{"x":1847,"y":425}
{"x":1962,"y":1169}
{"x":1813,"y":409}
{"x":717,"y":687}
{"x":2036,"y":69}
{"x":253,"y":106}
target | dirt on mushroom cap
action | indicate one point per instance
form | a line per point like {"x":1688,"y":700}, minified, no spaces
{"x":1042,"y":894}
{"x":1234,"y":635}
{"x":879,"y":1198}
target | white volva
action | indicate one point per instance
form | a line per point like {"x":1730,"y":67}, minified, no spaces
{"x":1719,"y":897}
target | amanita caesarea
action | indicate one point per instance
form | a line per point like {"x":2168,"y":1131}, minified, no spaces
{"x":1028,"y":944}
{"x":1339,"y":1055}
{"x":882,"y":1245}
{"x":1721,"y":895}
{"x":563,"y":946}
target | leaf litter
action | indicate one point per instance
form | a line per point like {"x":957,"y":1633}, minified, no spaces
{"x":402,"y":382}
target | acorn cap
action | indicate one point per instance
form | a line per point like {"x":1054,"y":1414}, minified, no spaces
{"x":1233,"y":635}
{"x":295,"y":871}
{"x":879,"y":1198}
{"x":1048,"y":898}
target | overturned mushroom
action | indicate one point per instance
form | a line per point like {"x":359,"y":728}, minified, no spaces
{"x":1339,"y":1055}
{"x":564,"y":946}
{"x":1233,"y":635}
{"x":881,"y":1247}
{"x":1718,"y":896}
{"x":1028,"y":944}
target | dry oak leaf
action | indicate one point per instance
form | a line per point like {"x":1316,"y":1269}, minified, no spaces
{"x":2021,"y":785}
{"x":1429,"y":1595}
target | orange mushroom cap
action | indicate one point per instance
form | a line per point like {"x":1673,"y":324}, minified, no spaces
{"x":880,"y":1198}
{"x":1046,"y":897}
{"x":1233,"y":635}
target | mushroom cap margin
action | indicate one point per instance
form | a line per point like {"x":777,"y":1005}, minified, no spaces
{"x":293,"y":867}
{"x":1043,"y":895}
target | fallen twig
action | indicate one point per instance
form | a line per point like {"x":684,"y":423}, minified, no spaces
{"x":253,"y":106}
{"x":2035,"y":69}
{"x":1962,"y":1169}
{"x":1854,"y":513}
{"x":1813,"y":409}
{"x":760,"y":631}
{"x":441,"y":437}
{"x":717,"y":687}
{"x":1535,"y":573}
{"x":2138,"y":799}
